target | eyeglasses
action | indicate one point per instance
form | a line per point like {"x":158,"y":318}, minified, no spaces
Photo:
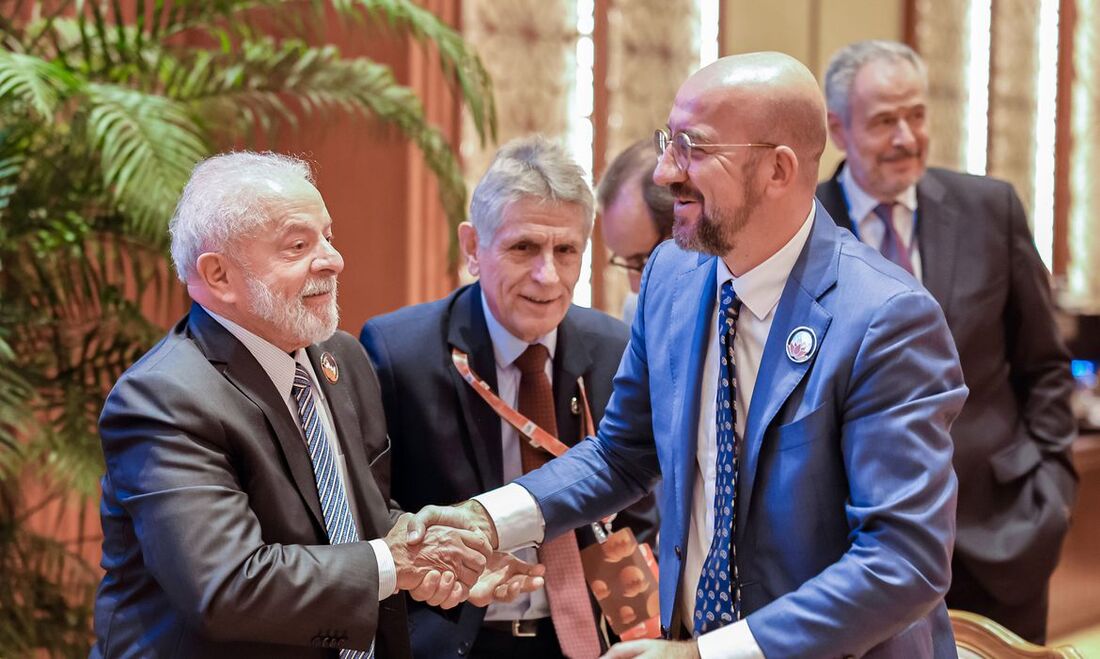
{"x":682,"y":146}
{"x":629,"y":263}
{"x":637,"y":262}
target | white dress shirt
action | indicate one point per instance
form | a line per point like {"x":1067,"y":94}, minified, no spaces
{"x":519,"y":521}
{"x":868,"y":227}
{"x":280,"y":367}
{"x":506,"y":349}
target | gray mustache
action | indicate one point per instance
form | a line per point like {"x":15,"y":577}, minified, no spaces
{"x":319,"y":287}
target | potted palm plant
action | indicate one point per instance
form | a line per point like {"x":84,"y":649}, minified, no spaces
{"x":105,"y":106}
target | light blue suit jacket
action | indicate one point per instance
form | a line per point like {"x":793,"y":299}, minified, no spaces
{"x":846,"y":504}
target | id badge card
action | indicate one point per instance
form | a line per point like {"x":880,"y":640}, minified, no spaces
{"x":622,"y":575}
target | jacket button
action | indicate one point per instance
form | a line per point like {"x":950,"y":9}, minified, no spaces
{"x":679,"y":552}
{"x":464,"y":648}
{"x":315,"y":641}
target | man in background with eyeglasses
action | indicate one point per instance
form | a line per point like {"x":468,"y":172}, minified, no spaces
{"x":967,"y":239}
{"x":635,"y":214}
{"x":793,"y":388}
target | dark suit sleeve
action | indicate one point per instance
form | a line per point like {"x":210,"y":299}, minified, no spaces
{"x":1039,"y":363}
{"x":172,"y":467}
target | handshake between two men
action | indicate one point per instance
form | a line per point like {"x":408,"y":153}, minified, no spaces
{"x":445,"y":556}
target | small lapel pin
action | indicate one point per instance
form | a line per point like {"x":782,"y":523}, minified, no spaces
{"x":575,"y":406}
{"x":801,"y":344}
{"x":329,"y":367}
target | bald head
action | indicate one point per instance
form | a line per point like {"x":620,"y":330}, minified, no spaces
{"x":773,"y":98}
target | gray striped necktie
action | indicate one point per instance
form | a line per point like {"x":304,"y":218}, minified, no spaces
{"x":339,"y":523}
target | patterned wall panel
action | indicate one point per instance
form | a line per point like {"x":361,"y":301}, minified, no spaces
{"x":941,"y":30}
{"x":1012,"y":100}
{"x":1083,"y":276}
{"x":653,"y":46}
{"x":529,"y":48}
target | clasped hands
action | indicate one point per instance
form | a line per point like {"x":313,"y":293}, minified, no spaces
{"x":447,"y":555}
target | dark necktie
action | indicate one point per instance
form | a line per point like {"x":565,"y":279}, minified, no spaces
{"x":892,"y":246}
{"x":718,"y":596}
{"x":570,"y":607}
{"x":339,"y":523}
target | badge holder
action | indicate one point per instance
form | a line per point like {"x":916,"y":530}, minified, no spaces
{"x":622,"y":575}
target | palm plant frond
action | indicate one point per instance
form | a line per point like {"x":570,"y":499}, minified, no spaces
{"x":105,"y":107}
{"x":32,"y":80}
{"x":455,"y":54}
{"x":147,"y":145}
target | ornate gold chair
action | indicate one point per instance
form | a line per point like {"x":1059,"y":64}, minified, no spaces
{"x":981,"y":638}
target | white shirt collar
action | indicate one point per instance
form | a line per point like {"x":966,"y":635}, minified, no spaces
{"x":278,"y":365}
{"x":861,"y":204}
{"x":760,"y":288}
{"x":506,"y":347}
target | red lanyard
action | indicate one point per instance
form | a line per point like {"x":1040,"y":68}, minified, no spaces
{"x":535,"y":435}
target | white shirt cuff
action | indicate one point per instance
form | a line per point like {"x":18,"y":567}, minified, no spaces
{"x":731,"y":642}
{"x":387,"y":571}
{"x":516,"y":515}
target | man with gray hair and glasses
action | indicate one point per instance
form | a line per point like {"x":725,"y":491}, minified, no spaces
{"x":966,"y":238}
{"x":240,"y":517}
{"x":517,"y":332}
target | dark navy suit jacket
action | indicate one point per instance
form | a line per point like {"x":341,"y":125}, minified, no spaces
{"x":446,"y":444}
{"x":1013,"y":437}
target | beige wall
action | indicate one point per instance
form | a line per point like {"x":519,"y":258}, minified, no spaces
{"x":810,"y":30}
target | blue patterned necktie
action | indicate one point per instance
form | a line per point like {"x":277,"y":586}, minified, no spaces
{"x":330,"y":489}
{"x":718,"y":597}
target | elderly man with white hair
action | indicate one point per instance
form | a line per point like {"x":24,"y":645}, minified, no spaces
{"x":240,"y":517}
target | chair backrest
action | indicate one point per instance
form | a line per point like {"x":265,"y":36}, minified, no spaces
{"x":981,"y":638}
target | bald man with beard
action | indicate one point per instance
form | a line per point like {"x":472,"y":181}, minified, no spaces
{"x":794,"y":388}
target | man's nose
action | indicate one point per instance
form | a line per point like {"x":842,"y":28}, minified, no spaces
{"x":667,"y":171}
{"x":903,"y":135}
{"x":546,"y":270}
{"x":329,"y":260}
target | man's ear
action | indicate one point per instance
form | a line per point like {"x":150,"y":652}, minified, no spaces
{"x":467,"y":242}
{"x":212,"y":269}
{"x":837,"y":132}
{"x":784,"y":170}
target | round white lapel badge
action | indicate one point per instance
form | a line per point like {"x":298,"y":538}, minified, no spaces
{"x":801,"y":344}
{"x":329,"y":367}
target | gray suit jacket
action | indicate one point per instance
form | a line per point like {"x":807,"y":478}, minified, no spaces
{"x":214,"y":543}
{"x":1013,"y":437}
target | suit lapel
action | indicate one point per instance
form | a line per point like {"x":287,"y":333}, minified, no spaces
{"x":345,"y":420}
{"x":468,"y":332}
{"x":571,"y":361}
{"x":690,"y":324}
{"x":813,"y":274}
{"x":831,"y":196}
{"x":937,"y":225}
{"x":241,"y":368}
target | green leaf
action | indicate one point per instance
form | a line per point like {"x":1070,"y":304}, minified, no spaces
{"x":34,"y":81}
{"x":457,"y":58}
{"x":147,"y":146}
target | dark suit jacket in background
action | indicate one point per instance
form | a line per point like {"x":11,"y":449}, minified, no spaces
{"x":214,"y":544}
{"x":446,"y":439}
{"x":1013,"y":437}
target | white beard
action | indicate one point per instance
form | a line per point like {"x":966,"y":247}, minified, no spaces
{"x":291,"y":315}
